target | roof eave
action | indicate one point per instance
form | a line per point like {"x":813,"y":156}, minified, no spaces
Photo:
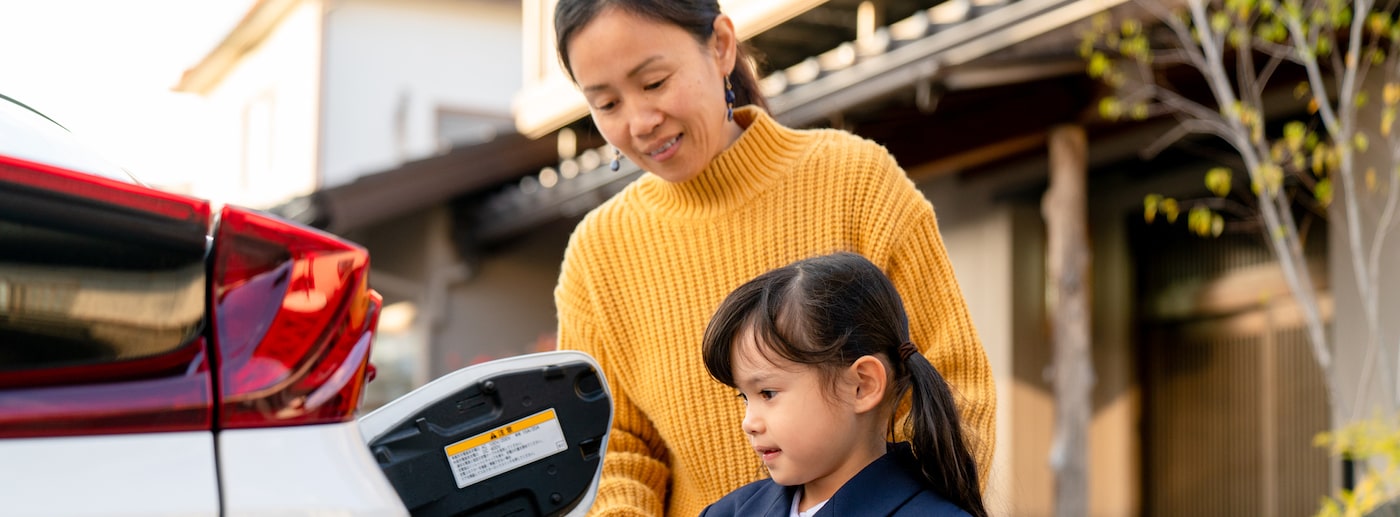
{"x":260,"y":20}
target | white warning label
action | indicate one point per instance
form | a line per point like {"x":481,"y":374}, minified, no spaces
{"x":490,"y":453}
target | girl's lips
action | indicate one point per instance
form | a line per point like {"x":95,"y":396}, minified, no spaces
{"x":768,"y":454}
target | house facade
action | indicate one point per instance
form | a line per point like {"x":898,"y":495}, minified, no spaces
{"x":318,"y":96}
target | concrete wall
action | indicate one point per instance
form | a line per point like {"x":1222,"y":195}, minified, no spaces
{"x":462,"y":310}
{"x":506,"y":308}
{"x":391,"y":65}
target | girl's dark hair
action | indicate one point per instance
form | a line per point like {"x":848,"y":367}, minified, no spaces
{"x":828,"y":311}
{"x":694,"y":16}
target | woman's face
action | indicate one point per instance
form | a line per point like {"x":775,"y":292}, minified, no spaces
{"x":655,"y":92}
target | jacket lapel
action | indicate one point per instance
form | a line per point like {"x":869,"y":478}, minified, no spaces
{"x":878,"y":489}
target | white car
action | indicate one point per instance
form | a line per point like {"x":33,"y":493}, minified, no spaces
{"x":158,"y":358}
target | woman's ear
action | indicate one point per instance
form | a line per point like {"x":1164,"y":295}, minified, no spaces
{"x":870,"y":377}
{"x":724,"y":44}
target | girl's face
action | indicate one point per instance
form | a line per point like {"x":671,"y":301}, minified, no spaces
{"x":805,"y":433}
{"x":655,"y":92}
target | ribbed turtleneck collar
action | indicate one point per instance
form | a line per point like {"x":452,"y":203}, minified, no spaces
{"x":762,"y":154}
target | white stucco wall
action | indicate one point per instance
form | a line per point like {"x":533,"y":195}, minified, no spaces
{"x":278,"y":82}
{"x":391,"y":65}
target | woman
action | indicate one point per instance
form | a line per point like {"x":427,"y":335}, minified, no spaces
{"x":728,"y":194}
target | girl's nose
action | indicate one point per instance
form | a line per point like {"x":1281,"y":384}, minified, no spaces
{"x":752,"y":423}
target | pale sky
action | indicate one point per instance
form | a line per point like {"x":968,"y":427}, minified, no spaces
{"x":104,"y":69}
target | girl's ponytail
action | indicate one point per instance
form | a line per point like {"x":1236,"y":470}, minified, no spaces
{"x":935,"y":431}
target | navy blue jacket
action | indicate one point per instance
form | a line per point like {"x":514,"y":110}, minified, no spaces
{"x":886,"y":487}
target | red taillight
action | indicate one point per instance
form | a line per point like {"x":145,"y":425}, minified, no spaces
{"x":150,"y":380}
{"x":293,"y":319}
{"x":96,"y":188}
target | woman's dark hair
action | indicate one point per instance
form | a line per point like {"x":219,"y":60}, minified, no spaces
{"x":694,"y":16}
{"x":828,"y":311}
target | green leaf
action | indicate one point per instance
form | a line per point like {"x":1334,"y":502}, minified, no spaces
{"x":1198,"y":220}
{"x":1149,"y":207}
{"x":1218,"y":181}
{"x":1319,"y":160}
{"x":1271,"y":175}
{"x":1110,"y":108}
{"x":1361,"y":99}
{"x":1362,"y":143}
{"x":1131,"y":27}
{"x":1378,"y":24}
{"x":1239,"y":37}
{"x":1323,"y":192}
{"x":1219,"y":22}
{"x":1294,"y":134}
{"x":1098,"y":65}
{"x":1170,"y":209}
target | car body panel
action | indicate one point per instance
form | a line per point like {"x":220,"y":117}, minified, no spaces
{"x":146,"y":475}
{"x":303,"y":470}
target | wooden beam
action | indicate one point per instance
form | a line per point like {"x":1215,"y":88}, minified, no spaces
{"x":979,"y":156}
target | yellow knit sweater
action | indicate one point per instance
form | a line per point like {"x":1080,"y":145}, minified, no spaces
{"x":644,"y":272}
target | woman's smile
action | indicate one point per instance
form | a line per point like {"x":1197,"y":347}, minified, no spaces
{"x":666,"y":150}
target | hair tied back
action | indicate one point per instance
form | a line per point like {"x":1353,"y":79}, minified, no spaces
{"x":907,"y":350}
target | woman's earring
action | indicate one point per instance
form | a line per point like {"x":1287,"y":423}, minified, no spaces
{"x":728,"y":99}
{"x":617,"y":160}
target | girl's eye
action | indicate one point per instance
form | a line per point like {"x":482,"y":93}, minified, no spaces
{"x":654,"y":85}
{"x":766,"y":394}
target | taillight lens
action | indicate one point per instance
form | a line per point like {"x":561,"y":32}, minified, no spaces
{"x":293,"y":320}
{"x":101,"y":306}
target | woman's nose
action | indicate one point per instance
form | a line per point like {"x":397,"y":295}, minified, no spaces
{"x":644,"y":119}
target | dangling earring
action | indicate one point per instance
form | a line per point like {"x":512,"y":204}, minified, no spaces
{"x":728,"y":100}
{"x":617,"y":160}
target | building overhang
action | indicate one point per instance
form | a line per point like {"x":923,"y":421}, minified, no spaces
{"x":379,"y":197}
{"x":259,"y":22}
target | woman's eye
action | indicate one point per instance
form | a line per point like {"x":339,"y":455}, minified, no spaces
{"x":606,"y":106}
{"x":655,"y":85}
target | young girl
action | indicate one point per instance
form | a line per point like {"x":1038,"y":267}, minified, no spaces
{"x":819,"y":351}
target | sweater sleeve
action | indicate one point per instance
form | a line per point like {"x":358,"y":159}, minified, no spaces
{"x":939,"y":321}
{"x":634,"y":476}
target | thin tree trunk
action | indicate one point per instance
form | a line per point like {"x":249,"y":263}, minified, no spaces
{"x":1065,"y":209}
